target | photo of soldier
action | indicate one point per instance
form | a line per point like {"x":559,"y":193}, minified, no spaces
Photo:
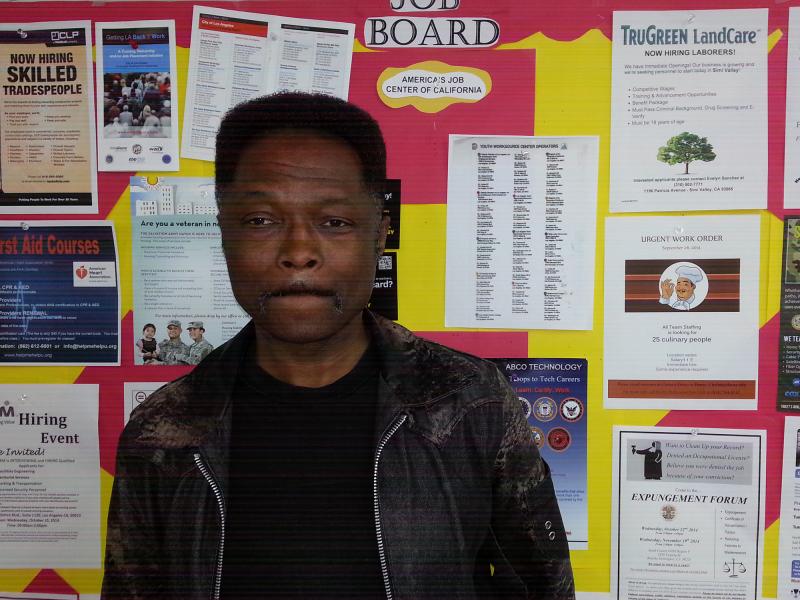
{"x":199,"y":349}
{"x":173,"y":346}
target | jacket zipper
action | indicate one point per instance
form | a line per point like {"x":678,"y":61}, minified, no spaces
{"x":387,"y":586}
{"x":204,"y":470}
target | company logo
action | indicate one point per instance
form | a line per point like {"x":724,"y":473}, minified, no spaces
{"x":668,"y":512}
{"x":559,"y":439}
{"x":156,"y":148}
{"x":571,"y":409}
{"x":544,"y":409}
{"x":538,"y":437}
{"x":6,"y":410}
{"x":64,"y":36}
{"x":94,"y":274}
{"x":136,"y":149}
{"x":796,"y":382}
{"x":792,"y":394}
{"x":526,"y":406}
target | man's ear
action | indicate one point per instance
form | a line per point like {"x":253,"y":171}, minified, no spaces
{"x":383,"y":231}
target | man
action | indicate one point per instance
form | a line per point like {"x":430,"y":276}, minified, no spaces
{"x":173,"y":346}
{"x":683,"y":288}
{"x":652,"y":460}
{"x":325,"y":452}
{"x":126,"y":116}
{"x":793,"y":268}
{"x":199,"y":349}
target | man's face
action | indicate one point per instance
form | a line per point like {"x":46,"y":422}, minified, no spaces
{"x":301,"y":236}
{"x":684,"y":288}
{"x":173,"y":332}
{"x":195,"y":333}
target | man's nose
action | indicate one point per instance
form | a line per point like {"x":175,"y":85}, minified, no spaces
{"x":300,"y":248}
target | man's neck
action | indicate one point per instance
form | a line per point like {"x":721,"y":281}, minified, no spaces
{"x":313,"y":364}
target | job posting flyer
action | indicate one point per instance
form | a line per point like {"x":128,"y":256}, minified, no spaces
{"x":689,"y":110}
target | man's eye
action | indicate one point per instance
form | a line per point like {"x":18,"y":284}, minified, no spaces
{"x":336,"y":223}
{"x":258,"y":221}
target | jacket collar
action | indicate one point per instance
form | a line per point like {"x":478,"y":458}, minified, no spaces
{"x":415,"y":372}
{"x":196,"y":413}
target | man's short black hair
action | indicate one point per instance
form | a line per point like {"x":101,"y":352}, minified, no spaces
{"x":326,"y":115}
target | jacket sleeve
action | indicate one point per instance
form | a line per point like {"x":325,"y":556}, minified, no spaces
{"x":134,"y":565}
{"x":526,"y":521}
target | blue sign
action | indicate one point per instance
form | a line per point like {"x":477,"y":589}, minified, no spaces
{"x":552,"y":394}
{"x":59,"y":293}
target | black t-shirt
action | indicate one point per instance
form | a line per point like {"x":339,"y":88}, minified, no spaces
{"x":300,"y":521}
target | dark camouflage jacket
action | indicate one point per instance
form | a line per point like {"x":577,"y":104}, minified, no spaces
{"x":458,"y":483}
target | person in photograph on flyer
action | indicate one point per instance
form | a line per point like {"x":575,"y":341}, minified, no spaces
{"x":173,"y":346}
{"x":199,"y":349}
{"x":325,"y":451}
{"x":147,"y":346}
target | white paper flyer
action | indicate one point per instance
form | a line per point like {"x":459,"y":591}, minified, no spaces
{"x":689,"y":110}
{"x":183,"y":305}
{"x":791,"y":170}
{"x":137,"y":392}
{"x":50,"y":474}
{"x":521,"y":220}
{"x":236,"y":56}
{"x":681,"y":312}
{"x":687,"y":513}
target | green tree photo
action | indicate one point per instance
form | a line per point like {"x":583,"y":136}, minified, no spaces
{"x":686,"y":148}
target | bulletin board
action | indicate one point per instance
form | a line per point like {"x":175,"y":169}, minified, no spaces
{"x":550,"y":74}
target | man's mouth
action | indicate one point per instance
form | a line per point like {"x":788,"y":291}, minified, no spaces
{"x":298,"y":289}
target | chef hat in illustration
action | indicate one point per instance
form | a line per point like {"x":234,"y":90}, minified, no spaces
{"x":693,"y":274}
